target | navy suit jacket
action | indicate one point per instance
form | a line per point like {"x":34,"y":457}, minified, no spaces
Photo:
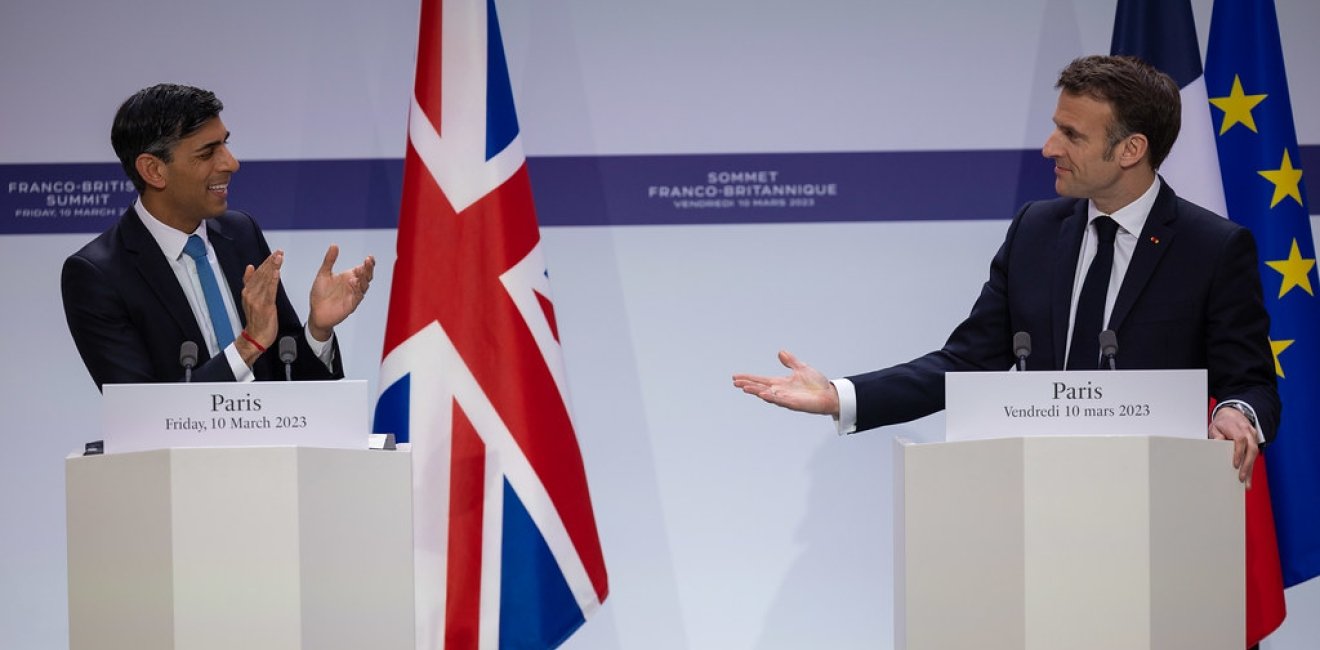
{"x":128,"y":314}
{"x":1191,"y":298}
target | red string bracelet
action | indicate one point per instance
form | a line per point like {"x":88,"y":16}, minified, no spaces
{"x":248,"y":337}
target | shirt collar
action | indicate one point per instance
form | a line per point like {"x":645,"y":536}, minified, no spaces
{"x":170,"y":240}
{"x":1131,"y":217}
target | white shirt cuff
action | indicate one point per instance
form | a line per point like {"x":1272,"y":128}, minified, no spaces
{"x":847,"y":420}
{"x":1260,"y":435}
{"x":242,"y":373}
{"x":322,"y":349}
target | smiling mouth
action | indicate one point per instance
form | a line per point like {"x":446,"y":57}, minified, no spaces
{"x":221,"y":189}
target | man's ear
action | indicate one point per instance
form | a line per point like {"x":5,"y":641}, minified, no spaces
{"x":1133,"y":149}
{"x":152,"y":170}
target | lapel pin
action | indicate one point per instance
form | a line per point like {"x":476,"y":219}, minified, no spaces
{"x":1154,"y":239}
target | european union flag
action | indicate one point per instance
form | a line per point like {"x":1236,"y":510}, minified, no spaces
{"x":1260,"y":163}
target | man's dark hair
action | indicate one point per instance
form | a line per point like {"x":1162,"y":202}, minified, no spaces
{"x":1143,"y":99}
{"x":154,"y":119}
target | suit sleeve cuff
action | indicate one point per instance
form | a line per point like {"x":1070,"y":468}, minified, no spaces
{"x":847,"y":420}
{"x":1246,"y":410}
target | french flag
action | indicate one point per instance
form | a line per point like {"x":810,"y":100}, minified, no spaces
{"x":1163,"y":33}
{"x":506,"y":547}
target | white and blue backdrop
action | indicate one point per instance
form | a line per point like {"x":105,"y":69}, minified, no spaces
{"x":906,"y":132}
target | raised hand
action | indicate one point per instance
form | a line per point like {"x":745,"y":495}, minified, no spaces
{"x":806,"y":389}
{"x":336,"y":295}
{"x":260,"y":286}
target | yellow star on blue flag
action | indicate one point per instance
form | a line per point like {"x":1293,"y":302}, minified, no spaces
{"x":1287,"y":181}
{"x":1296,"y":271}
{"x":1237,"y":107}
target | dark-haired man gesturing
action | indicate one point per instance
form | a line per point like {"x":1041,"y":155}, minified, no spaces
{"x":1177,"y":283}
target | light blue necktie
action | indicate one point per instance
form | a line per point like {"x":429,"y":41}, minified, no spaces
{"x":224,"y":334}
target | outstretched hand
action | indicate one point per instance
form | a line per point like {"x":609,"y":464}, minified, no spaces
{"x":806,"y":389}
{"x":336,"y":295}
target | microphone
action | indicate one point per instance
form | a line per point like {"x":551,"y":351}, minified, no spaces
{"x":1022,"y":349}
{"x":288,"y":353}
{"x":188,"y":359}
{"x":1109,"y":348}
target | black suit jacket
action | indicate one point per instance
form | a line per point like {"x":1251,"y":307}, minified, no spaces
{"x":128,"y":314}
{"x":1191,"y":298}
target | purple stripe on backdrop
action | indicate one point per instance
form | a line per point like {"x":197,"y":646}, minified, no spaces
{"x":787,"y":188}
{"x":589,"y":190}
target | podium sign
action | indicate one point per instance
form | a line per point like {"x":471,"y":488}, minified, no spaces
{"x":984,"y":405}
{"x":140,"y":417}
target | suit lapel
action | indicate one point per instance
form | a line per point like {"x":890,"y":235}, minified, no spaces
{"x":1155,"y":238}
{"x":1067,"y":249}
{"x":231,"y":263}
{"x":158,"y":275}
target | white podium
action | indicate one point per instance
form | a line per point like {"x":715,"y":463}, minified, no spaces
{"x":1081,"y":542}
{"x":246,"y":547}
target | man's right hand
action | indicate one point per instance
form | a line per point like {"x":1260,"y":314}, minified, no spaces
{"x":1231,"y":424}
{"x":260,"y":286}
{"x":806,"y":389}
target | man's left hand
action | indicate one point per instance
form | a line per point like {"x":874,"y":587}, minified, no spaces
{"x":336,"y":295}
{"x":1231,"y":424}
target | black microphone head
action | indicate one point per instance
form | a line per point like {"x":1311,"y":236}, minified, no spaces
{"x":188,"y":354}
{"x":1108,"y":343}
{"x":1022,"y":345}
{"x":288,"y":349}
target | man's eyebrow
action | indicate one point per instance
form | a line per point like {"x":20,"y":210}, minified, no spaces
{"x":213,"y":144}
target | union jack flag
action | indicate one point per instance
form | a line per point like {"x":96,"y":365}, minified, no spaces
{"x":506,"y":548}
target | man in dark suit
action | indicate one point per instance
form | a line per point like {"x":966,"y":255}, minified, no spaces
{"x":1176,"y":283}
{"x":178,"y":266}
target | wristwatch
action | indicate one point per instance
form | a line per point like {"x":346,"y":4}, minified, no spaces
{"x":1251,"y":418}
